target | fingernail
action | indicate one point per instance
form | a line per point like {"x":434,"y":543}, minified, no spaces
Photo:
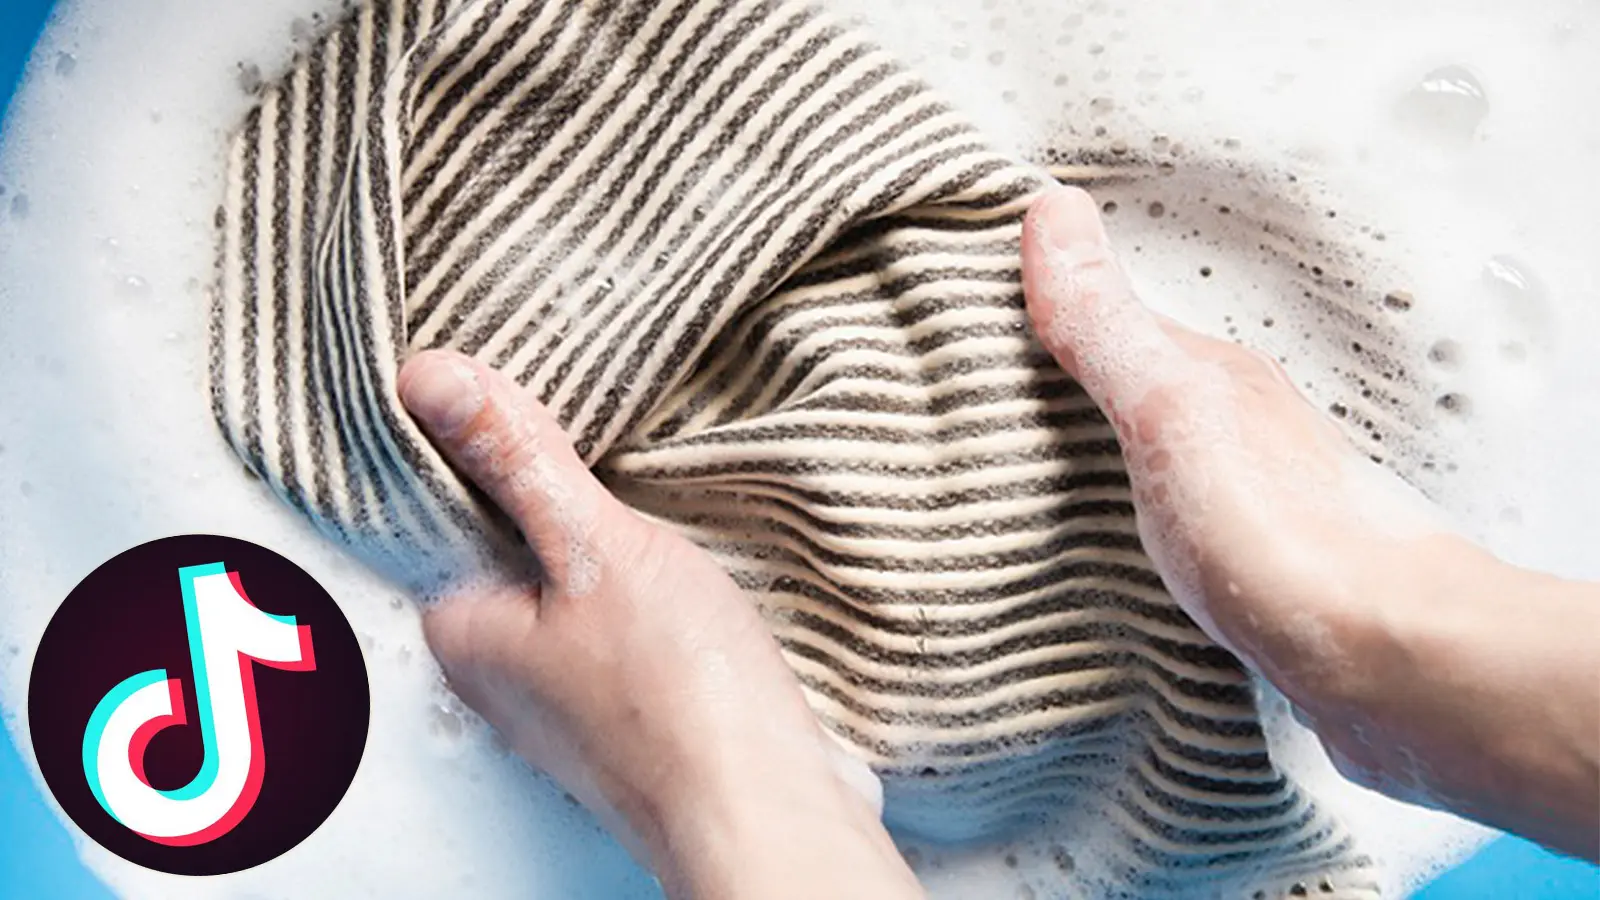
{"x":1070,"y":219}
{"x":444,"y":394}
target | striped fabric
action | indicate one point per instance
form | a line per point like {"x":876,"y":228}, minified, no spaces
{"x":769,"y":282}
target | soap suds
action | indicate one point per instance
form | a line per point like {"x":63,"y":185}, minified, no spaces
{"x":1439,"y":145}
{"x":571,"y":509}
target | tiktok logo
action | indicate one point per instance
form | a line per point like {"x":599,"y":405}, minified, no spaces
{"x":183,"y":725}
{"x":227,"y":635}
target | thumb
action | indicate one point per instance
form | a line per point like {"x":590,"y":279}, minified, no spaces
{"x":481,"y":629}
{"x":1080,"y":300}
{"x":508,"y":444}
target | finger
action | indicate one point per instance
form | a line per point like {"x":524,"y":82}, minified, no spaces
{"x":1279,"y":380}
{"x":1243,"y":363}
{"x":1081,"y":302}
{"x":508,"y":444}
{"x":1279,"y":373}
{"x":1249,"y":365}
{"x":1198,"y":345}
{"x":1063,"y":220}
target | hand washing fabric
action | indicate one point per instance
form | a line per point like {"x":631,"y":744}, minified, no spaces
{"x":769,"y":283}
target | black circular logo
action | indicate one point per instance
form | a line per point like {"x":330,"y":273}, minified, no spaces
{"x":198,"y":705}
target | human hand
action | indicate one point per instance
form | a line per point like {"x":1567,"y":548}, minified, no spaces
{"x":1268,"y":526}
{"x":638,"y":675}
{"x":1429,"y":669}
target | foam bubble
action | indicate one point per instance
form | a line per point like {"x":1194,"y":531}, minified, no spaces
{"x":1487,"y":169}
{"x":1521,"y":301}
{"x":1448,"y":104}
{"x":108,"y":444}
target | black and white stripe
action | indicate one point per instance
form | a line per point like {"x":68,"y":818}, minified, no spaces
{"x":769,"y":282}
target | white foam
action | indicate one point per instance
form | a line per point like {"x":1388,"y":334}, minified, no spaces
{"x":1451,"y":131}
{"x":112,"y":167}
{"x":108,"y":443}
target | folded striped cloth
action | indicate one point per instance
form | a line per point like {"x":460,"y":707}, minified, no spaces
{"x":769,"y":283}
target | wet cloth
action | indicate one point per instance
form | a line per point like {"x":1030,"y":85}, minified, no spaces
{"x":769,"y":283}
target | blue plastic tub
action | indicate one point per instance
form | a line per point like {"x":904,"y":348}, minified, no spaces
{"x":37,"y":858}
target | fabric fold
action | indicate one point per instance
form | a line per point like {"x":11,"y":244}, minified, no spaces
{"x":769,"y":283}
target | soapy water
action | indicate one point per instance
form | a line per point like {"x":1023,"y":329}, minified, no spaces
{"x":1443,"y":144}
